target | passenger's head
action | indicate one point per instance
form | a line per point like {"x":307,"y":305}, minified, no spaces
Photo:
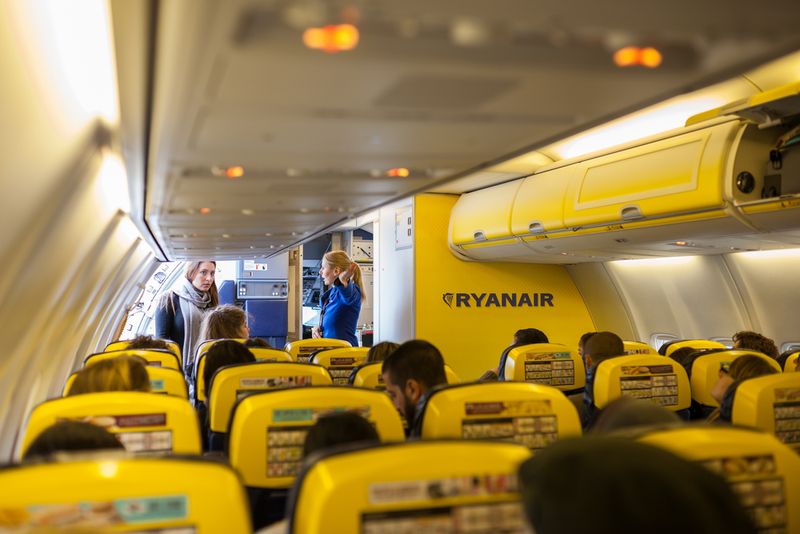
{"x":529,"y":336}
{"x":123,"y":373}
{"x":582,"y":343}
{"x":683,"y":355}
{"x":338,"y":429}
{"x":147,"y":342}
{"x":222,"y":353}
{"x":379,"y":352}
{"x":604,"y":485}
{"x":602,"y":346}
{"x":742,"y":368}
{"x":335,"y":263}
{"x":201,"y":274}
{"x":410,"y":371}
{"x":224,"y":322}
{"x":257,"y":342}
{"x":626,"y":412}
{"x":70,"y":436}
{"x":747,"y":340}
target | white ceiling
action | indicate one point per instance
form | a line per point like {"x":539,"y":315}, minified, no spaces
{"x":231,"y":83}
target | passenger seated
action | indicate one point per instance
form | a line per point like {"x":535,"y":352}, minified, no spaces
{"x":225,"y":322}
{"x":599,"y":347}
{"x":582,"y":345}
{"x":379,"y":352}
{"x":605,"y":485}
{"x":410,"y":372}
{"x":741,"y":369}
{"x":257,"y":342}
{"x":71,"y":436}
{"x":147,"y":342}
{"x":526,"y":336}
{"x":747,"y":340}
{"x":123,"y":373}
{"x":627,"y":412}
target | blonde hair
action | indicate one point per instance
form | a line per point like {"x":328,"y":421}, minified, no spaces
{"x":337,"y":258}
{"x":224,"y":322}
{"x":123,"y":373}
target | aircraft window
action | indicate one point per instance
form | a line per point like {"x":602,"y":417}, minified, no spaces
{"x":656,"y":340}
{"x":790,"y":345}
{"x":728,"y":342}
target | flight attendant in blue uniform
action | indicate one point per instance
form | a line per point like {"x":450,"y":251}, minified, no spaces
{"x":341,"y":303}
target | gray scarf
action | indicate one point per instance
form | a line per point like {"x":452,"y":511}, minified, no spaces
{"x":193,"y":304}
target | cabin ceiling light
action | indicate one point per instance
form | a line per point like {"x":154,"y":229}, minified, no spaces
{"x":469,"y":32}
{"x":226,"y":236}
{"x":247,"y":212}
{"x":234,"y":172}
{"x":398,"y":172}
{"x":205,"y":211}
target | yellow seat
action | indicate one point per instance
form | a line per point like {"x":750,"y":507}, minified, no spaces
{"x":705,"y":372}
{"x":155,"y":357}
{"x":770,"y":403}
{"x":790,"y":365}
{"x":302,"y":349}
{"x":271,"y":459}
{"x":122,"y":345}
{"x":409,"y":487}
{"x":637,"y":347}
{"x":451,"y":376}
{"x":548,"y":364}
{"x":234,"y":382}
{"x":764,"y":472}
{"x":261,"y":354}
{"x":143,"y":422}
{"x":528,"y":414}
{"x":341,"y":362}
{"x":660,"y":380}
{"x":162,"y":380}
{"x":120,"y":493}
{"x":208,"y":343}
{"x":698,"y":344}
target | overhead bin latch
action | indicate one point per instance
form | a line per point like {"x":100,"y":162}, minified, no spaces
{"x":536,"y":228}
{"x":479,"y":235}
{"x":631,"y":213}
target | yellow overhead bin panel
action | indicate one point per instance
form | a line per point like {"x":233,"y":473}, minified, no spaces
{"x":672,"y":176}
{"x":483,"y":215}
{"x":539,"y":205}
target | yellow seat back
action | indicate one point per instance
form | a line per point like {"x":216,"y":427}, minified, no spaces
{"x":637,"y":347}
{"x":660,"y":380}
{"x":208,"y":343}
{"x":790,"y":365}
{"x":705,"y":372}
{"x":412,"y":487}
{"x":770,"y":403}
{"x":261,"y":354}
{"x":698,"y":344}
{"x":302,"y":349}
{"x":271,"y":459}
{"x":122,"y":345}
{"x":234,"y":382}
{"x":341,"y":362}
{"x":162,"y":380}
{"x":547,"y":364}
{"x":143,"y":422}
{"x":451,"y":376}
{"x":528,"y":414}
{"x":762,"y":471}
{"x":369,"y":376}
{"x":118,"y":493}
{"x":154,"y":357}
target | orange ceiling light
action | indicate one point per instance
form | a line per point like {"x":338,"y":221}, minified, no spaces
{"x":234,"y":172}
{"x":398,"y":172}
{"x":332,"y":38}
{"x":634,"y":56}
{"x":205,"y":211}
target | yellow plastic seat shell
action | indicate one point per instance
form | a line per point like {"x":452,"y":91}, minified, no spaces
{"x":548,"y":364}
{"x":155,"y":423}
{"x":357,"y":490}
{"x":529,"y":414}
{"x":705,"y":372}
{"x":208,"y":343}
{"x":302,"y":349}
{"x":771,"y":403}
{"x":123,"y":345}
{"x":341,"y":362}
{"x":643,"y":376}
{"x":162,"y":380}
{"x":271,"y":458}
{"x":155,"y":357}
{"x":697,"y":344}
{"x":764,"y":472}
{"x":368,"y":376}
{"x":637,"y":347}
{"x":790,"y":365}
{"x":234,"y":381}
{"x":261,"y":354}
{"x":122,"y":494}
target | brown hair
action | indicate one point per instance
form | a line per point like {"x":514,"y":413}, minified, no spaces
{"x":379,"y":352}
{"x":224,"y":322}
{"x":750,"y":366}
{"x":337,"y":258}
{"x":123,"y":373}
{"x":147,"y":342}
{"x":754,"y":341}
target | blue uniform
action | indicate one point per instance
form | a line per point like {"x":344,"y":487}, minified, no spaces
{"x":340,"y":308}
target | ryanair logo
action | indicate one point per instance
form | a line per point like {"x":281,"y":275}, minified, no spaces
{"x":495,"y":300}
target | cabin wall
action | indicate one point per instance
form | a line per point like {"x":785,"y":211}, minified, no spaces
{"x":394,"y":275}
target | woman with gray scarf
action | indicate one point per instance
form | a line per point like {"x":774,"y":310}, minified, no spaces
{"x":180,"y":312}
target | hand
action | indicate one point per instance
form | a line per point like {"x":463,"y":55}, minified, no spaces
{"x":346,"y":275}
{"x":316,"y":332}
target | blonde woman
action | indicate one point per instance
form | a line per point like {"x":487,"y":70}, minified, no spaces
{"x":341,"y":303}
{"x":123,"y":373}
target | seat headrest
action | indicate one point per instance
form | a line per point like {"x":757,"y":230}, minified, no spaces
{"x":642,"y":376}
{"x":301,"y":350}
{"x":548,"y":364}
{"x":770,"y":403}
{"x":341,"y":362}
{"x":706,"y":367}
{"x":154,"y":357}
